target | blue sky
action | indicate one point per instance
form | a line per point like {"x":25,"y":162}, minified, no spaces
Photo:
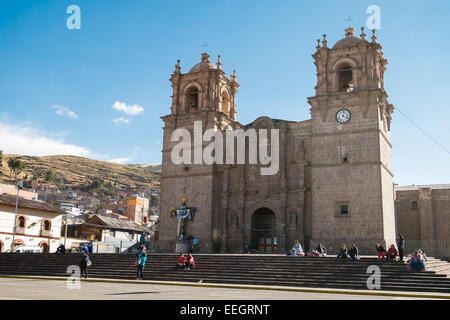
{"x":125,"y":52}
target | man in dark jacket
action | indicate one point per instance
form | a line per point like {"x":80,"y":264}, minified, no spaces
{"x":400,"y":245}
{"x":84,"y":264}
{"x":354,"y":252}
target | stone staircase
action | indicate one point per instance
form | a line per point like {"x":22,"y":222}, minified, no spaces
{"x":253,"y":269}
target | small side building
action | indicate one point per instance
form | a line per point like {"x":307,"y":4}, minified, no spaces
{"x":38,"y":224}
{"x":118,"y":232}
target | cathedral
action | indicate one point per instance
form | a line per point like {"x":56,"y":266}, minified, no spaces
{"x":334,"y":182}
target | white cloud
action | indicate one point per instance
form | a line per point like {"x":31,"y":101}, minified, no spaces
{"x":26,"y":140}
{"x":121,"y":120}
{"x":128,"y":109}
{"x":65,"y":112}
{"x":120,"y":160}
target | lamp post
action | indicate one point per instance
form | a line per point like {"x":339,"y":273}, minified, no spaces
{"x":65,"y":233}
{"x":19,"y":186}
{"x":66,"y":216}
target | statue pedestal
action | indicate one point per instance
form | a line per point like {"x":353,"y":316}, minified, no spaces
{"x":182,"y":247}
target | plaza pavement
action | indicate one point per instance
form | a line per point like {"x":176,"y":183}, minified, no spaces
{"x":48,"y":288}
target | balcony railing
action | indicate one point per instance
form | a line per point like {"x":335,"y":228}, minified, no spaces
{"x":46,"y":233}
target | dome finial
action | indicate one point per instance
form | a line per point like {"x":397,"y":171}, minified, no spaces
{"x":177,"y":66}
{"x":324,"y":41}
{"x":318,"y":44}
{"x":205,"y":57}
{"x":362,"y":35}
{"x":219,"y":64}
{"x":349,"y":32}
{"x":233,"y":76}
{"x":374,"y":38}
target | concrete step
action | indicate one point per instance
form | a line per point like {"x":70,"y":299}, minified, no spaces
{"x":241,"y":269}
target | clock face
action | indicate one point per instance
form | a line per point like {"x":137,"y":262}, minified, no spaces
{"x":343,"y":116}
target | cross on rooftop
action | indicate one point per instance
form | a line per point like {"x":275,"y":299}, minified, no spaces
{"x":348,"y":20}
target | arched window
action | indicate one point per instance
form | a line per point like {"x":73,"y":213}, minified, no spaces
{"x":192,"y":99}
{"x":18,"y":243}
{"x":225,"y":103}
{"x":345,"y":78}
{"x":44,"y":246}
{"x":46,"y":225}
{"x":21,"y":222}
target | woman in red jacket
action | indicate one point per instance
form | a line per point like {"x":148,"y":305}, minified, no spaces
{"x":392,"y":253}
{"x":190,"y":262}
{"x":181,"y":263}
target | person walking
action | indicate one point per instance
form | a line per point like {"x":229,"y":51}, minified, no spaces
{"x":142,"y":256}
{"x":141,"y":248}
{"x":400,"y":245}
{"x":84,"y":264}
{"x":195,"y":244}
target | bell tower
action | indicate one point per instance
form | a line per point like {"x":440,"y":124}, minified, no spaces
{"x":204,"y":88}
{"x":203,"y":95}
{"x":352,"y":188}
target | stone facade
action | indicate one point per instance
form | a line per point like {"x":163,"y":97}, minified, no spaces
{"x":334,"y":183}
{"x":423,"y":217}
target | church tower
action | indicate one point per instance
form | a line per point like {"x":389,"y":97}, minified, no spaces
{"x":203,"y":95}
{"x":351,"y":170}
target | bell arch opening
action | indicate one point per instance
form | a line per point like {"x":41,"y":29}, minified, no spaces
{"x":345,"y":78}
{"x":192,"y":99}
{"x":225,"y":103}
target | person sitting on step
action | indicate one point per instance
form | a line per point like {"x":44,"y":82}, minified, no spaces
{"x":321,"y":250}
{"x":416,"y":262}
{"x":343,"y":253}
{"x":354,"y":252}
{"x":298,"y":250}
{"x":181,"y":263}
{"x":246,"y":249}
{"x":189,"y":262}
{"x":381,"y":251}
{"x":61,"y":249}
{"x":423,"y":256}
{"x":392,"y":253}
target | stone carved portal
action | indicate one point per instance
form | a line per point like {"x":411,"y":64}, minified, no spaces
{"x":263,"y":231}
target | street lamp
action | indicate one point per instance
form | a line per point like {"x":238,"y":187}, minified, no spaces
{"x":66,"y":215}
{"x":19,"y":186}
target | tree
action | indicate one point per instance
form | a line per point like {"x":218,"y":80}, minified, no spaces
{"x":15,"y":166}
{"x":49,"y":176}
{"x":37,"y":175}
{"x":154,"y":201}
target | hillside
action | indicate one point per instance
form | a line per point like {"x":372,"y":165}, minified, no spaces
{"x":78,"y":172}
